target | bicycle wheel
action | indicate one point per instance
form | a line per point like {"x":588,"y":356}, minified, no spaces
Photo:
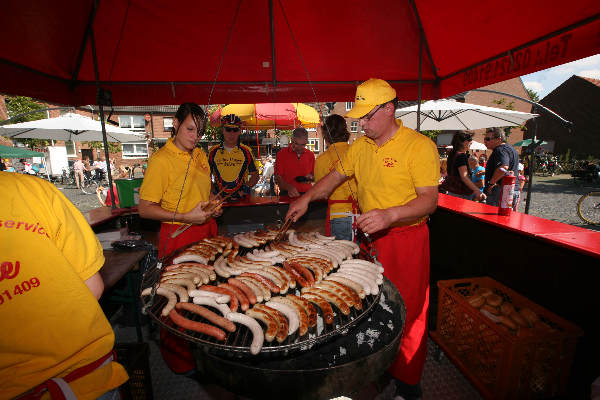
{"x":89,"y":186}
{"x":588,"y":208}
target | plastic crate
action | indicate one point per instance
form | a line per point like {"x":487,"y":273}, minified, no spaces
{"x":503,"y":363}
{"x":135,"y":358}
{"x":128,"y":191}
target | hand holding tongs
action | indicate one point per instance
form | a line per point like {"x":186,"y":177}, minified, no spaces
{"x":284,"y":228}
{"x":208,"y":207}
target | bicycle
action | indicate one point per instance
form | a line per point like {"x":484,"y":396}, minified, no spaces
{"x":588,"y":208}
{"x":91,"y":181}
{"x":67,"y":178}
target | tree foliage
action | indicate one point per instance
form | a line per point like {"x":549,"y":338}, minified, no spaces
{"x":509,"y":106}
{"x":113,"y":147}
{"x":20,"y":105}
{"x":432,"y":134}
{"x":533,"y":95}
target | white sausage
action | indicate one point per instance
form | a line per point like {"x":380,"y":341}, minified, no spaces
{"x":290,"y":313}
{"x":219,"y":297}
{"x":190,"y":258}
{"x":258,"y":336}
{"x":181,"y":292}
{"x":366,"y":285}
{"x":373,"y":276}
{"x":350,"y":283}
{"x":355,"y":247}
{"x":210,"y":301}
{"x":170,"y":295}
{"x":376,"y":267}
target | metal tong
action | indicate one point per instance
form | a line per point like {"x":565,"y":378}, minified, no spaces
{"x":208,"y":207}
{"x":284,"y":228}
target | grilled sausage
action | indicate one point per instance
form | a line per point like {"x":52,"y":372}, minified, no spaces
{"x":244,"y":288}
{"x":170,"y":295}
{"x":257,"y":332}
{"x":271,"y":324}
{"x":282,"y":333}
{"x":200,"y":327}
{"x":302,"y":316}
{"x":351,"y":294}
{"x":323,"y":304}
{"x":308,"y":308}
{"x":233,"y":301}
{"x":290,"y":313}
{"x":242,"y":299}
{"x":269,"y":283}
{"x":207,"y":314}
{"x":333,"y":298}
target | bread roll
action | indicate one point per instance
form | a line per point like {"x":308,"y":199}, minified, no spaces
{"x":507,"y":308}
{"x":519,"y":319}
{"x":506,"y":321}
{"x":531,"y":317}
{"x":477,"y":300}
{"x":490,"y":309}
{"x":485,"y":292}
{"x":493,"y":300}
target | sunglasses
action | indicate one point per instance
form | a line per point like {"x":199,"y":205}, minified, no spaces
{"x":228,"y":129}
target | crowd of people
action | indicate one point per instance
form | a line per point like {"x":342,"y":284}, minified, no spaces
{"x":478,"y":178}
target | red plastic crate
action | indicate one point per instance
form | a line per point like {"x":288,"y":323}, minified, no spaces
{"x":525,"y":363}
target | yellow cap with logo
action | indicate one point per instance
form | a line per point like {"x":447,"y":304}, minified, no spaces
{"x":369,"y":95}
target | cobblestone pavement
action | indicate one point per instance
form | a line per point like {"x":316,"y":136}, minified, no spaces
{"x":553,"y":198}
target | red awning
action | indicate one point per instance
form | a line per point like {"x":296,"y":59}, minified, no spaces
{"x":168,"y":52}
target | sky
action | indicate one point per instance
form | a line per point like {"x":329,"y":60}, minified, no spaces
{"x":545,"y":81}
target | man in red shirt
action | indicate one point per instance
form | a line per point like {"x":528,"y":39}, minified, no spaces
{"x":294,"y":165}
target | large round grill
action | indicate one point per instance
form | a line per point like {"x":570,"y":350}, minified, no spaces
{"x":237,"y":343}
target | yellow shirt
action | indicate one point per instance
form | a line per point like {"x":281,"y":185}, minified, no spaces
{"x":388,"y":175}
{"x":326,"y":163}
{"x":232,"y":163}
{"x":51,"y":321}
{"x":166,"y":174}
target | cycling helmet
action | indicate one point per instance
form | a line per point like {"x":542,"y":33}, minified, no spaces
{"x":231,"y":120}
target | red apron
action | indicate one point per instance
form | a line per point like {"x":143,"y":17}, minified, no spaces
{"x":404,"y":254}
{"x":176,"y":351}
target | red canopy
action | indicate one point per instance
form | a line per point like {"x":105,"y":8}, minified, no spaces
{"x":168,"y":52}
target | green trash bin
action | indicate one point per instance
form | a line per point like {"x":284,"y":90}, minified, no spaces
{"x":128,"y":191}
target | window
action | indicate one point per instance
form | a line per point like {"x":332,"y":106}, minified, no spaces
{"x":135,"y":150}
{"x":349,"y":105}
{"x":133,"y":122}
{"x":167,"y":123}
{"x":354,"y":126}
{"x":313,"y":144}
{"x":71,"y":152}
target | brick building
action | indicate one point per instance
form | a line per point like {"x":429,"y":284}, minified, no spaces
{"x":156,"y":123}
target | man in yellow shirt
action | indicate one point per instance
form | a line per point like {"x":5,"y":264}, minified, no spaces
{"x":232,"y":163}
{"x":55,"y":337}
{"x":397,"y":171}
{"x":341,"y":205}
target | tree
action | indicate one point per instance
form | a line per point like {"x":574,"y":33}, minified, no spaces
{"x":20,"y":105}
{"x":431,"y":134}
{"x":113,"y":147}
{"x":533,"y":95}
{"x":508,"y":106}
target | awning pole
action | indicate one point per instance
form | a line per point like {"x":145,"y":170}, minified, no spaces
{"x":100,"y":99}
{"x":531,"y":161}
{"x":420,"y":81}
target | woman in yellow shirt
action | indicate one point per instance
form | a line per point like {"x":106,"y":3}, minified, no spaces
{"x":341,"y":204}
{"x":176,"y":186}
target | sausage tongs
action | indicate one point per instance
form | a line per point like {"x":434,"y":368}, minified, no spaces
{"x":284,"y":228}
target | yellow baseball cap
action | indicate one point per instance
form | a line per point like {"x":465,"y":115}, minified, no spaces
{"x":369,"y":95}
